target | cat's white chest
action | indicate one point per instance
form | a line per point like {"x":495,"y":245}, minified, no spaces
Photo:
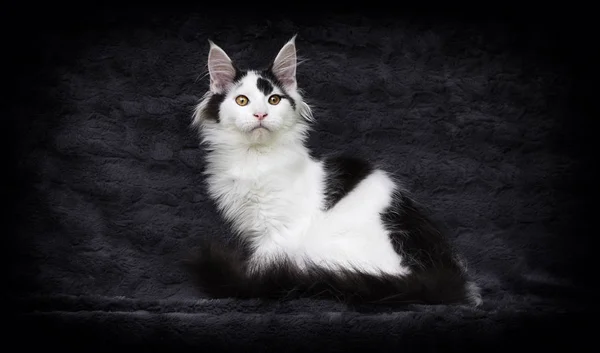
{"x":274,"y":207}
{"x":278,"y":205}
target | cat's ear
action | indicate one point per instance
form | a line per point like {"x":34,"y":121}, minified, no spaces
{"x":284,"y":65}
{"x":221,"y":69}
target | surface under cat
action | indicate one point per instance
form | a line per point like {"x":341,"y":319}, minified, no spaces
{"x":338,"y":227}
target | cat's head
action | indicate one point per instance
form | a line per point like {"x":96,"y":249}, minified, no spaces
{"x":253,"y":107}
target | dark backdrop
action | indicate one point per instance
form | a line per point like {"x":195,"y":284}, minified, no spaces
{"x":485,"y":112}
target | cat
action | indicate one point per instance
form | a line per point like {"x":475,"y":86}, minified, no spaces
{"x":338,"y":227}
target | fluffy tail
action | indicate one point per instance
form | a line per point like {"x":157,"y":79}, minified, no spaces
{"x":221,"y":272}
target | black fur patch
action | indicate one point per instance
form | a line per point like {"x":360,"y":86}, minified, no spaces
{"x":343,"y":173}
{"x":264,"y":86}
{"x":239,"y":74}
{"x":269,"y":75}
{"x":416,"y":237}
{"x":221,"y":272}
{"x":211,"y":110}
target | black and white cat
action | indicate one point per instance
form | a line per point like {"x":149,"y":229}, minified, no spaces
{"x":337,"y":227}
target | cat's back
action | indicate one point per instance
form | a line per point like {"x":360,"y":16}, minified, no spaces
{"x":344,"y":173}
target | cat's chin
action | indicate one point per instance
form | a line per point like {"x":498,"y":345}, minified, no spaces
{"x":260,"y":128}
{"x":260,"y":134}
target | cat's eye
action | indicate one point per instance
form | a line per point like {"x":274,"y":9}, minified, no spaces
{"x":241,"y":100}
{"x":274,"y":99}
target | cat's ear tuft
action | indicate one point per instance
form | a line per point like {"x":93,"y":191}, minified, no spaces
{"x":221,"y":69}
{"x":284,"y":65}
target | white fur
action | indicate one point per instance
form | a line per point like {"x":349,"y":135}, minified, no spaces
{"x":265,"y":183}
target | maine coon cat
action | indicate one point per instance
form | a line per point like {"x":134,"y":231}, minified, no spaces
{"x":337,"y":227}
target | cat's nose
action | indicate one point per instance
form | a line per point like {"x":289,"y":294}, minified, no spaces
{"x":260,"y":116}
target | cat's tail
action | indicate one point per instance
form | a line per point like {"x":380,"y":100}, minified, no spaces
{"x":221,"y":271}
